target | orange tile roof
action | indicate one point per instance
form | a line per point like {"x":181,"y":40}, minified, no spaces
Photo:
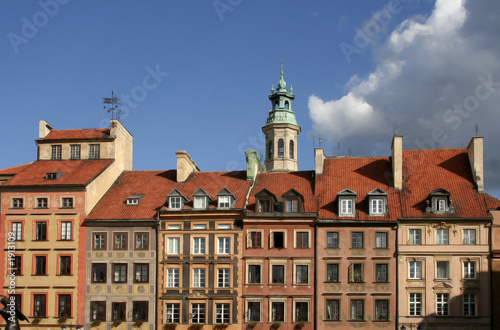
{"x":361,"y":175}
{"x":76,"y":172}
{"x":14,"y":169}
{"x":71,"y":134}
{"x":155,"y":185}
{"x":492,"y":202}
{"x":449,"y":169}
{"x":278,"y":183}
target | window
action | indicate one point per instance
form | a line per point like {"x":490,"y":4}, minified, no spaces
{"x":469,"y":236}
{"x":75,"y":151}
{"x":98,"y":311}
{"x":197,"y":313}
{"x":42,"y":203}
{"x":281,"y":148}
{"x":302,"y":274}
{"x":140,"y":310}
{"x":223,"y":226}
{"x":357,"y":310}
{"x":301,"y":311}
{"x":253,"y":312}
{"x":99,"y":241}
{"x":17,"y":203}
{"x":17,"y":301}
{"x":64,"y":305}
{"x":415,"y":304}
{"x":415,"y":237}
{"x":264,"y":205}
{"x":222,"y":313}
{"x":442,"y":304}
{"x":120,"y":241}
{"x":119,"y":273}
{"x":173,"y":244}
{"x":172,"y":277}
{"x":357,"y":240}
{"x":224,"y":245}
{"x":199,"y":245}
{"x":292,"y":205}
{"x":175,"y":203}
{"x":442,"y":270}
{"x":67,"y":202}
{"x":99,"y":273}
{"x":65,"y":265}
{"x":55,"y":152}
{"x":141,"y":273}
{"x":302,"y":239}
{"x":441,"y":205}
{"x":15,"y":266}
{"x":270,"y":149}
{"x":174,"y":227}
{"x":291,"y":147}
{"x":199,"y":277}
{"x":381,"y":240}
{"x":254,"y":274}
{"x":41,"y":231}
{"x":469,"y":270}
{"x":376,"y":206}
{"x":224,"y":201}
{"x":119,"y":311}
{"x":53,"y":175}
{"x":255,"y":239}
{"x":132,"y":201}
{"x":278,"y":239}
{"x":381,"y":271}
{"x":332,"y":240}
{"x":277,"y":311}
{"x":415,"y":270}
{"x":442,"y":236}
{"x":356,"y":273}
{"x":332,"y":272}
{"x":66,"y":230}
{"x":39,"y":305}
{"x":141,"y":241}
{"x":172,"y":313}
{"x":278,"y":275}
{"x":40,"y":265}
{"x":382,"y":310}
{"x":332,"y":309}
{"x":346,"y":207}
{"x":199,"y":226}
{"x":470,"y":304}
{"x":223,"y":277}
{"x":200,"y":202}
{"x":94,"y":151}
{"x":17,"y":230}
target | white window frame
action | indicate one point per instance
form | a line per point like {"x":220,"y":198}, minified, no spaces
{"x":415,"y":306}
{"x":200,"y":202}
{"x":415,"y":267}
{"x":66,"y":230}
{"x":222,"y":313}
{"x":224,"y":245}
{"x":94,"y":151}
{"x":346,"y":207}
{"x":443,"y":236}
{"x":224,"y":202}
{"x":17,"y":229}
{"x":173,"y":277}
{"x":469,"y":239}
{"x":199,"y":246}
{"x":377,"y":206}
{"x":469,"y":270}
{"x":175,"y":203}
{"x":381,"y":240}
{"x":199,"y":277}
{"x":172,"y":312}
{"x":469,"y":304}
{"x":75,"y":151}
{"x":198,"y":313}
{"x":415,"y":236}
{"x":223,"y":277}
{"x":442,"y":304}
{"x":173,"y":245}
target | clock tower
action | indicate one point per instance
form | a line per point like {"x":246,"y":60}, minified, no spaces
{"x":281,"y":130}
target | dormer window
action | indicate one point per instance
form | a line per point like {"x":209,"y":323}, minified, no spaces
{"x":377,"y":202}
{"x":201,"y":199}
{"x":53,"y":175}
{"x":439,"y":201}
{"x":293,"y":201}
{"x":225,"y":199}
{"x":347,"y":199}
{"x":265,"y":201}
{"x":176,"y":200}
{"x":134,"y":199}
{"x":265,"y":205}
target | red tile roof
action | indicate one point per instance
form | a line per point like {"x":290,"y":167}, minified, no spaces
{"x":361,"y":175}
{"x":76,"y":172}
{"x":14,"y":169}
{"x":155,"y":185}
{"x":492,"y":202}
{"x":71,"y":134}
{"x":449,"y":169}
{"x":278,"y":183}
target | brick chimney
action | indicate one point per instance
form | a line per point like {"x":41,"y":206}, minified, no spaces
{"x":397,"y":161}
{"x":185,"y":165}
{"x":475,"y":150}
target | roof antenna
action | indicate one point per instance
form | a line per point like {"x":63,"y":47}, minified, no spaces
{"x":113,"y":105}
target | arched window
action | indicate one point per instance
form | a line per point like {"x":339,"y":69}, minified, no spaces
{"x":287,"y":105}
{"x":270,"y":150}
{"x":276,"y":105}
{"x":291,"y":149}
{"x":281,"y":148}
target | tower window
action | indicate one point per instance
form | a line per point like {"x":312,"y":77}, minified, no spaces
{"x":287,"y":105}
{"x":292,"y":147}
{"x":281,"y":148}
{"x":270,"y":150}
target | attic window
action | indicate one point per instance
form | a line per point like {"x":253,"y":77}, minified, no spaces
{"x":201,"y":199}
{"x":346,"y":203}
{"x":293,"y":201}
{"x":377,"y":202}
{"x":265,"y":201}
{"x":53,"y":175}
{"x":225,"y":199}
{"x":176,"y":200}
{"x":439,"y":202}
{"x":134,"y":199}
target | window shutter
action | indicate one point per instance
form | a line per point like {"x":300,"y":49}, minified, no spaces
{"x":351,"y":274}
{"x":271,"y":239}
{"x":249,"y":239}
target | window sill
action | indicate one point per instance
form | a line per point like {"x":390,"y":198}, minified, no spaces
{"x":65,"y":240}
{"x":40,"y":274}
{"x":64,"y":275}
{"x":66,"y":208}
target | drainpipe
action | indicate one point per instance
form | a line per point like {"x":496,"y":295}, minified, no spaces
{"x":157,"y":263}
{"x":397,"y":275}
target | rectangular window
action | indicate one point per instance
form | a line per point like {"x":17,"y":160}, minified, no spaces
{"x":382,"y":310}
{"x":41,"y":231}
{"x":253,"y":313}
{"x":15,"y":266}
{"x":278,"y":239}
{"x":119,"y":273}
{"x":17,"y":230}
{"x":441,"y":205}
{"x":174,"y":227}
{"x":442,"y":270}
{"x":75,"y":151}
{"x":140,"y":310}
{"x":302,"y":239}
{"x":39,"y":305}
{"x":175,"y":203}
{"x":356,"y":273}
{"x":277,"y":311}
{"x":278,"y":275}
{"x":381,"y":272}
{"x":42,"y":203}
{"x":99,"y":273}
{"x":64,"y":305}
{"x":332,"y":272}
{"x":254,"y":274}
{"x":40,"y":265}
{"x":346,"y":207}
{"x":224,"y":245}
{"x":200,"y":202}
{"x":442,"y":236}
{"x":224,"y":201}
{"x":98,"y":311}
{"x":56,"y":152}
{"x":200,"y":226}
{"x":469,"y":270}
{"x":65,"y":265}
{"x":222,"y":313}
{"x":199,"y":277}
{"x":173,"y":244}
{"x":256,"y":239}
{"x":415,"y":304}
{"x":415,"y":237}
{"x":17,"y":203}
{"x":292,"y":205}
{"x":94,"y":151}
{"x":332,"y":309}
{"x":264,"y":205}
{"x":141,"y":241}
{"x":381,"y":240}
{"x":119,"y":311}
{"x":99,"y":241}
{"x":442,"y":304}
{"x":470,"y":304}
{"x":120,"y":241}
{"x":199,"y":245}
{"x":357,"y":240}
{"x":332,"y":240}
{"x":223,"y":277}
{"x":66,"y":230}
{"x":172,"y":313}
{"x":172,"y":277}
{"x":223,"y":226}
{"x":67,"y":202}
{"x":415,"y":270}
{"x":469,"y":236}
{"x":301,"y":311}
{"x":302,"y":274}
{"x":377,"y":206}
{"x":198,"y":313}
{"x":141,"y":273}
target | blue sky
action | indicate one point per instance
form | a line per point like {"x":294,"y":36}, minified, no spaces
{"x":195,"y":75}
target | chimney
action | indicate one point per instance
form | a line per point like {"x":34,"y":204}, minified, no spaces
{"x":319,"y":159}
{"x":44,"y":129}
{"x":397,"y":161}
{"x":185,"y":166}
{"x":254,"y":165}
{"x":475,"y":151}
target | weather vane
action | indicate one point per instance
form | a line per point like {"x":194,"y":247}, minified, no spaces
{"x":113,"y":102}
